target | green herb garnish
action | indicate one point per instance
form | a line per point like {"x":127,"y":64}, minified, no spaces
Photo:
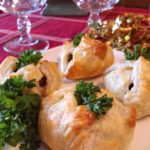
{"x":136,"y":53}
{"x":77,"y":39}
{"x":28,"y":57}
{"x":85,"y":94}
{"x":19,"y":114}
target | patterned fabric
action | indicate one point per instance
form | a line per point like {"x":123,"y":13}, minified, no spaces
{"x":55,"y":29}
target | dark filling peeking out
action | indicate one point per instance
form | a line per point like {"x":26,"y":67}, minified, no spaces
{"x":70,"y":57}
{"x":131,"y":86}
{"x":43,"y":81}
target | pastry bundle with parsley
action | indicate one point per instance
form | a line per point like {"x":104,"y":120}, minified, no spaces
{"x":85,"y":117}
{"x":129,"y":80}
{"x":31,"y":66}
{"x":24,"y":81}
{"x":85,"y":57}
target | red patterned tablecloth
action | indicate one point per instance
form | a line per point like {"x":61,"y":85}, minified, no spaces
{"x":55,"y":29}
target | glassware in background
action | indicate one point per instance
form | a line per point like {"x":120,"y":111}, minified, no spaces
{"x":95,"y":7}
{"x":23,"y":8}
{"x":149,"y":15}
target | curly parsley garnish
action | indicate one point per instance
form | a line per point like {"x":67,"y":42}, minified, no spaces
{"x":136,"y":53}
{"x":19,"y":114}
{"x":77,"y":39}
{"x":85,"y":94}
{"x":28,"y":57}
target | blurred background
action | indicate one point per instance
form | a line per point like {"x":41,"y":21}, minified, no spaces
{"x":135,"y":3}
{"x":67,"y":7}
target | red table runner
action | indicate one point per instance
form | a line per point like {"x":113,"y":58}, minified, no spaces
{"x":55,"y":29}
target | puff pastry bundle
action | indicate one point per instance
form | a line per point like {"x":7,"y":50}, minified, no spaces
{"x":46,"y":74}
{"x":89,"y":59}
{"x":129,"y":81}
{"x":63,"y":125}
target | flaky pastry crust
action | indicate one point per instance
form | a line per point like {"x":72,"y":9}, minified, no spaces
{"x":7,"y":67}
{"x":87,"y":60}
{"x":65,"y":126}
{"x":129,"y":81}
{"x":47,"y":76}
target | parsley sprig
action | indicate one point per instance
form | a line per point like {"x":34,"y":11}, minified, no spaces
{"x":136,"y":53}
{"x":28,"y":57}
{"x":85,"y":94}
{"x":77,"y":39}
{"x":19,"y":114}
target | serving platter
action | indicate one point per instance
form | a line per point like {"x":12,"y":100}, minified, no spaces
{"x":141,"y":137}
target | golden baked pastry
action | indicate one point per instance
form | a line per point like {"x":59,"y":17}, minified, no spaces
{"x":7,"y":67}
{"x":129,"y":81}
{"x":89,"y":59}
{"x":46,"y":74}
{"x":63,"y":125}
{"x":53,"y":76}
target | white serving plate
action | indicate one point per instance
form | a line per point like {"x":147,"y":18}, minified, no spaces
{"x":141,"y":139}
